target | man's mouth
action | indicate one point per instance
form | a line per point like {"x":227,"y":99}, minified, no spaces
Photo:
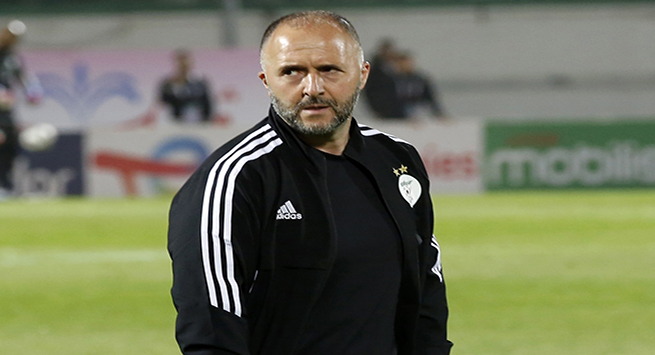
{"x":316,"y":107}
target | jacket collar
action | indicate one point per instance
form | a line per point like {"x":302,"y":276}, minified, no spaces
{"x":310,"y":156}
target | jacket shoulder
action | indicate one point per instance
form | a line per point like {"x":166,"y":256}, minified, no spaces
{"x":251,"y":145}
{"x":397,"y":146}
{"x":388,"y":140}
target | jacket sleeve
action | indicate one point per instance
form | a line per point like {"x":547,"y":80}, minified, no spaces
{"x":432,"y":324}
{"x":431,"y":96}
{"x":164,"y":92}
{"x":211,"y":243}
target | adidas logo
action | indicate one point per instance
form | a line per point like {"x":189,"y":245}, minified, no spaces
{"x":287,"y":211}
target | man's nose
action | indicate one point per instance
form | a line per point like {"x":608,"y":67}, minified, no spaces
{"x":313,"y":85}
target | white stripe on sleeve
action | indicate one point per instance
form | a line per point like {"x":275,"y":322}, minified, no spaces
{"x":227,"y":218}
{"x":436,"y":269}
{"x":368,"y":131}
{"x":212,"y":246}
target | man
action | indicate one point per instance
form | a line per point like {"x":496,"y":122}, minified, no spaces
{"x":380,"y":92}
{"x":12,"y":76}
{"x":187,"y":97}
{"x":308,"y":234}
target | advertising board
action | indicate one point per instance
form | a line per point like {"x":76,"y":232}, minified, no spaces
{"x":600,"y":154}
{"x":451,"y":152}
{"x":55,"y":172}
{"x":147,"y":162}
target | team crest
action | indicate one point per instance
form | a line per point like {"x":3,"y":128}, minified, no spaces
{"x":409,"y":187}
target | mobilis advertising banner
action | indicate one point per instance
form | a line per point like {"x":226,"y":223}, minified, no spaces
{"x":597,"y":154}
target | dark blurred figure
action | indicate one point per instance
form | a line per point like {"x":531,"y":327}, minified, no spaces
{"x":415,"y":91}
{"x":188,"y":97}
{"x":12,"y":75}
{"x":380,"y":91}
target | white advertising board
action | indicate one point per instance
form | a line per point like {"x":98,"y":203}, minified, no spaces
{"x":451,"y":151}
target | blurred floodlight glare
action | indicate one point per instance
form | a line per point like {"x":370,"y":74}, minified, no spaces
{"x":17,"y":27}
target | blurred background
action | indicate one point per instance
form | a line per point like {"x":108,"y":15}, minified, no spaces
{"x":477,"y":65}
{"x":535,"y":119}
{"x":491,"y":58}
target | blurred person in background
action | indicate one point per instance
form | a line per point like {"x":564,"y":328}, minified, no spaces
{"x":380,"y":91}
{"x":13,"y":75}
{"x":188,"y":98}
{"x":416,"y":93}
{"x":396,"y":90}
{"x":309,"y":233}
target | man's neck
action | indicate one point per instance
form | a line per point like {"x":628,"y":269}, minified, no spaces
{"x":180,"y":78}
{"x":333,"y":143}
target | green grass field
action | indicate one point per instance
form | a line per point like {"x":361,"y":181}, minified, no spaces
{"x":527,"y":273}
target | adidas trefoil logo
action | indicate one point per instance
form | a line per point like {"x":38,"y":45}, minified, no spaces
{"x":287,"y":211}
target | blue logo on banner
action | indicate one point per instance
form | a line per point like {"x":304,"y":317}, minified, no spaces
{"x":177,"y":146}
{"x":82,"y":97}
{"x":181,"y":144}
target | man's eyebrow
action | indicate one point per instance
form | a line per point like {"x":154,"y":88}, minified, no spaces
{"x":291,"y":67}
{"x":328,"y":67}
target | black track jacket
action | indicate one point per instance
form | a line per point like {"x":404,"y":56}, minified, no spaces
{"x":251,"y":237}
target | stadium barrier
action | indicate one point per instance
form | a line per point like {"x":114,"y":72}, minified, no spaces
{"x":150,"y":161}
{"x":464,"y":157}
{"x":118,"y":141}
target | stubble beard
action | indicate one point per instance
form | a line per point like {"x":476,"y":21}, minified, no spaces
{"x":291,"y":115}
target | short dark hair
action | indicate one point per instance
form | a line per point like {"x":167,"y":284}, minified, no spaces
{"x":311,"y":17}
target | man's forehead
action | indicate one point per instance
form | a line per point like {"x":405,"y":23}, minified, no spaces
{"x":304,"y":35}
{"x":295,"y":39}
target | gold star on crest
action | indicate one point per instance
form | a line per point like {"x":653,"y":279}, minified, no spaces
{"x":401,"y":170}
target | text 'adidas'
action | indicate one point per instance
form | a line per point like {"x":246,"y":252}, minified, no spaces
{"x":287,"y":211}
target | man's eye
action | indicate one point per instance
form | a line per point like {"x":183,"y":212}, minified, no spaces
{"x":290,"y":72}
{"x":330,"y":69}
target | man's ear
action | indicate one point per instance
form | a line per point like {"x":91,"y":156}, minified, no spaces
{"x":366,"y":70}
{"x":262,"y":77}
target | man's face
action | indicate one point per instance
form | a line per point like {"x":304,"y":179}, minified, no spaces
{"x":405,"y":65}
{"x":183,"y":62}
{"x":313,"y":76}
